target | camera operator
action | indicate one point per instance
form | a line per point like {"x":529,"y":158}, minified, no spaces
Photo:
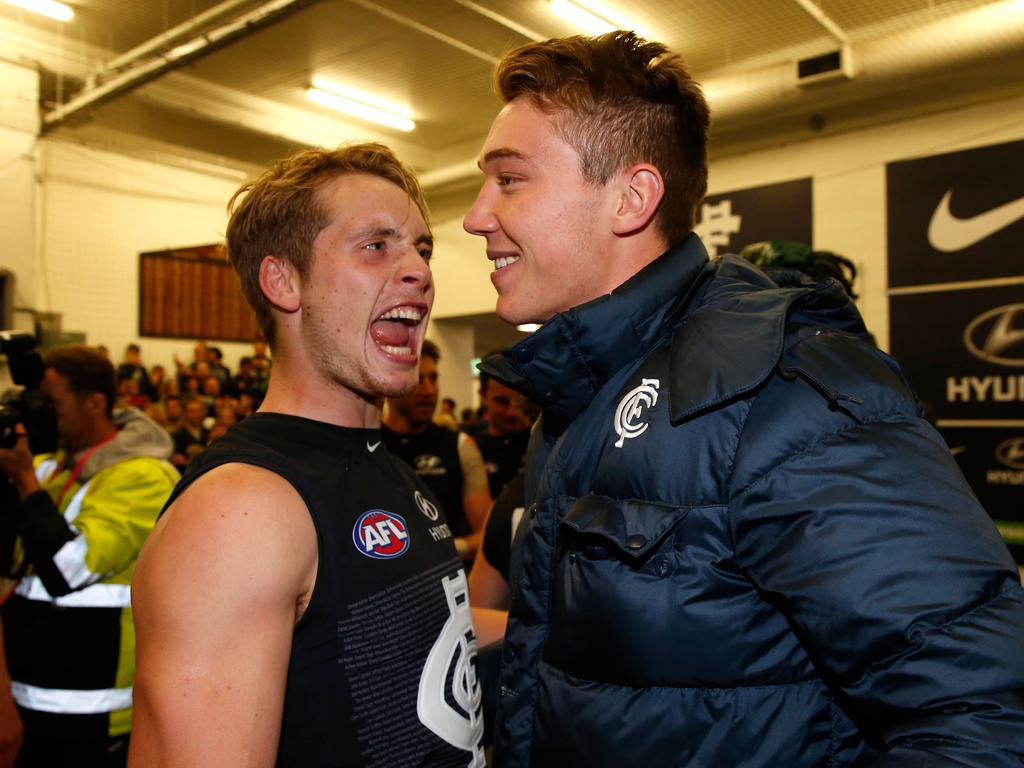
{"x":75,"y":532}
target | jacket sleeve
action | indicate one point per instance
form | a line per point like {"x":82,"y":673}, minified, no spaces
{"x":119,"y":509}
{"x":899,"y":586}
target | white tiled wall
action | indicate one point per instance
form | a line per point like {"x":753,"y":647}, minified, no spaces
{"x":100,"y":210}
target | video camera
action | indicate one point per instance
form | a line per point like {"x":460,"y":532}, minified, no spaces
{"x":24,"y":403}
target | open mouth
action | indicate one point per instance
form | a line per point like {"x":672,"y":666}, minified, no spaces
{"x":501,"y":262}
{"x":395,"y":330}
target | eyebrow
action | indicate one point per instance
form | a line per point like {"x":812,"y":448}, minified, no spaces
{"x":502,"y":153}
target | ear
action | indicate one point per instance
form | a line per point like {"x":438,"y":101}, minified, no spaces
{"x":96,"y":403}
{"x":280,"y":283}
{"x":639,"y":191}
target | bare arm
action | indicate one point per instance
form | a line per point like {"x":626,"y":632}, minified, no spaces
{"x":217,"y":591}
{"x":476,"y":494}
{"x":488,"y":599}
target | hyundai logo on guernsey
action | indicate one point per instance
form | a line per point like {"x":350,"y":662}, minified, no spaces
{"x":428,"y":464}
{"x":381,"y":535}
{"x":426,"y":506}
{"x":629,"y":422}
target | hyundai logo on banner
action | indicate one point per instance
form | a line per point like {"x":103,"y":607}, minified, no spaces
{"x":1010,"y":453}
{"x":997,"y":336}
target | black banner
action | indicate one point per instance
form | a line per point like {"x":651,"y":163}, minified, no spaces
{"x":957,"y":217}
{"x":956,"y":283}
{"x":728,"y":221}
{"x":992,"y":460}
{"x":963,"y":350}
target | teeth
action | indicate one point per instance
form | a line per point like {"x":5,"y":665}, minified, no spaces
{"x":503,"y":261}
{"x":403,"y":313}
{"x":396,"y":350}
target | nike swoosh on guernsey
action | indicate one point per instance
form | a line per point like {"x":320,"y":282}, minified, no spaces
{"x":949,"y":233}
{"x":372,"y":448}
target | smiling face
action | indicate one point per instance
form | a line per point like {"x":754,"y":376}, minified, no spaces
{"x":548,"y":230}
{"x":368,"y":292}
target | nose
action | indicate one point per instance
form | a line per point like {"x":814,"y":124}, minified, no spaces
{"x":415,"y":270}
{"x":480,"y":219}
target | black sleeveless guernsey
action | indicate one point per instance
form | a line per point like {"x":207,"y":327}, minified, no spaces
{"x":433,"y":455}
{"x":383,"y":661}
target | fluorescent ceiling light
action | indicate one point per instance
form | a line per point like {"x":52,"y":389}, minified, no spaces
{"x":583,"y":18}
{"x":50,"y":8}
{"x":352,"y":102}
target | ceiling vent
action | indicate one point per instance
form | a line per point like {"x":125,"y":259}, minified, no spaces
{"x":826,"y":68}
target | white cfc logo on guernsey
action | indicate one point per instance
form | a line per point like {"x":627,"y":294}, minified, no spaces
{"x":628,"y":416}
{"x":461,"y":725}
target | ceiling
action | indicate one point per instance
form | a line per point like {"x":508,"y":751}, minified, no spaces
{"x":235,"y":99}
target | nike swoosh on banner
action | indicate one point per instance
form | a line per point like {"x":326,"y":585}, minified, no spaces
{"x":372,"y":448}
{"x":948,"y":233}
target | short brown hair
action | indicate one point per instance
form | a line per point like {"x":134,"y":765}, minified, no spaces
{"x":618,"y":100}
{"x":431,"y":350}
{"x":281,"y":214}
{"x":86,"y":370}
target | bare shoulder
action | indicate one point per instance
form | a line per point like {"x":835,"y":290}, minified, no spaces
{"x":238,"y":528}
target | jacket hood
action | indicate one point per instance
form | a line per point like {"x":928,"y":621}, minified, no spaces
{"x":732,"y":342}
{"x":138,"y":435}
{"x":726,"y":321}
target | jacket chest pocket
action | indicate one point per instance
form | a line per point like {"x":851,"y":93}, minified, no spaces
{"x":615,"y":592}
{"x":628,"y":530}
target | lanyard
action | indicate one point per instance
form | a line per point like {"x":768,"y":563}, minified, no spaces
{"x":78,"y":467}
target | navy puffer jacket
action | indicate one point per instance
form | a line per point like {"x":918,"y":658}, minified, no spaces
{"x":746,"y":547}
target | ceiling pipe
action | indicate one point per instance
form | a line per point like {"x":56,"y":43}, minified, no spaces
{"x":208,"y":42}
{"x":822,"y":18}
{"x":504,"y":21}
{"x":429,"y":31}
{"x":162,"y":40}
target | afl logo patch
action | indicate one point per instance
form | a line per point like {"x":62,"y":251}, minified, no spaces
{"x":381,"y":535}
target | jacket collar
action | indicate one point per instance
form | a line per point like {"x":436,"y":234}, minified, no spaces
{"x":727,"y":322}
{"x":564,"y":364}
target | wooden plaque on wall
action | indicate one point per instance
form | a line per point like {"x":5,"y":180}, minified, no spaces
{"x":193,"y":293}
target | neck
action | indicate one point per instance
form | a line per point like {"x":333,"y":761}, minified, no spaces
{"x":296,"y":393}
{"x":396,"y":422}
{"x":97,"y":436}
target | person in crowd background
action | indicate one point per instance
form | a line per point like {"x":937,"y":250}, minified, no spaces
{"x":446,"y":416}
{"x":83,"y":516}
{"x":504,"y":434}
{"x":192,"y":436}
{"x":449,"y":463}
{"x":744,"y":547}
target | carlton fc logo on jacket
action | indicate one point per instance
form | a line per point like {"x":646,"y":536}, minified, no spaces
{"x":381,"y":535}
{"x":629,"y":416}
